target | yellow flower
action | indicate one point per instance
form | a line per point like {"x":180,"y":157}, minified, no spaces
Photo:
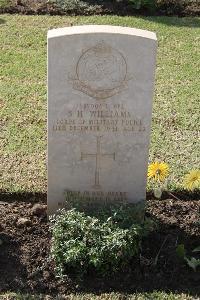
{"x":192,"y":180}
{"x":158,"y":171}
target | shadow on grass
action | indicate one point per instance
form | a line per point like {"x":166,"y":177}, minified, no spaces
{"x":39,"y":196}
{"x":191,"y":22}
{"x":178,"y":194}
{"x":169,"y":15}
{"x":2,"y":21}
{"x":23,"y":197}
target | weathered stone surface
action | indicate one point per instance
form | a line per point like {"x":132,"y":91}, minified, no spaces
{"x":100,"y":87}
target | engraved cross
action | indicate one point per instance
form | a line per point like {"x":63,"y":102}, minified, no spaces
{"x":98,"y":157}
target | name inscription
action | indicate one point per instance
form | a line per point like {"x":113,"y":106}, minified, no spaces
{"x":98,"y":118}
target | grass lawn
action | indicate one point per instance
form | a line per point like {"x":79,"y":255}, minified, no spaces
{"x":23,"y":99}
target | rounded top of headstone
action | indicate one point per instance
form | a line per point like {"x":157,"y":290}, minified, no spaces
{"x":85,"y":29}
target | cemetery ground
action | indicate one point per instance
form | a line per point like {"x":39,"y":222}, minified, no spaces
{"x":174,"y":139}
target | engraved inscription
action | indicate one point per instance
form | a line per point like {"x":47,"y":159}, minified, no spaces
{"x":97,"y":196}
{"x":101,"y":72}
{"x":98,"y":157}
{"x":99,"y":118}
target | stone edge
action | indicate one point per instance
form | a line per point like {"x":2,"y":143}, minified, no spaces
{"x":85,"y":29}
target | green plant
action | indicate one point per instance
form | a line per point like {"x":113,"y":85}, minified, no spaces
{"x":158,"y":172}
{"x":192,"y":262}
{"x":75,"y":6}
{"x":124,"y":214}
{"x":81,"y":243}
{"x":171,"y":7}
{"x":150,"y":5}
{"x":5,"y":4}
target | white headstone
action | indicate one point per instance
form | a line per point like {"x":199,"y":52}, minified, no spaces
{"x":100,"y":89}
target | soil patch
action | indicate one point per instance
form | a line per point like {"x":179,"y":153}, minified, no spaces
{"x":25,"y":244}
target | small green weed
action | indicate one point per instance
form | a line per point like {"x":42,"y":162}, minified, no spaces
{"x":74,"y":6}
{"x":150,"y":5}
{"x":5,"y":4}
{"x":192,"y":262}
